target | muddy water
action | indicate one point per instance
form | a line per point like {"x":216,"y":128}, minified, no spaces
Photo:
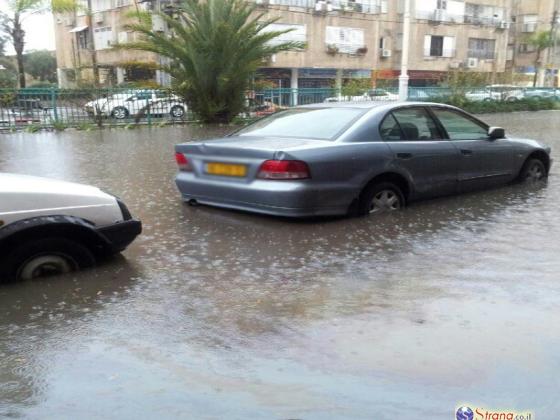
{"x":219,"y":314}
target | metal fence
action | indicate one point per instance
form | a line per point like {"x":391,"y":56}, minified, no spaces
{"x":39,"y":108}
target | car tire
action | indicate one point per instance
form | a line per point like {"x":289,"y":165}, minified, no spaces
{"x":534,"y":170}
{"x":45,"y":257}
{"x":382,"y":197}
{"x":177,"y":111}
{"x":119,"y":113}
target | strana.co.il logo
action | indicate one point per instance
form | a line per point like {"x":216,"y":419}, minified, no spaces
{"x":464,"y":413}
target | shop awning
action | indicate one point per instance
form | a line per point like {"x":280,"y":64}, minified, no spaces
{"x":78,"y":28}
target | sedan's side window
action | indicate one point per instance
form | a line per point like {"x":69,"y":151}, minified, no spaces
{"x":390,"y":130}
{"x":460,"y":127}
{"x":417,"y":124}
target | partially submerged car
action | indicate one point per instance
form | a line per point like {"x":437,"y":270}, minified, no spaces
{"x":52,"y":227}
{"x":362,"y":157}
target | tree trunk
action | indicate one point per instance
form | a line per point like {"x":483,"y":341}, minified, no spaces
{"x":18,"y":39}
{"x":537,"y":60}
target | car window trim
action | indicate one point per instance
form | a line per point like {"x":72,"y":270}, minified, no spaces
{"x":426,"y":109}
{"x":390,"y":114}
{"x":468,"y":116}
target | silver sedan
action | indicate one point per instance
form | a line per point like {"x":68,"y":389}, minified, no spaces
{"x":357,"y":158}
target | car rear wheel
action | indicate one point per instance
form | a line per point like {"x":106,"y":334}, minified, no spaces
{"x":45,"y":257}
{"x":177,"y":111}
{"x":383,"y":197}
{"x":533,"y":171}
{"x":119,"y":113}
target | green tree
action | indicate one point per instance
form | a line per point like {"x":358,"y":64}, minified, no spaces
{"x":541,"y":41}
{"x":214,"y":48}
{"x":12,"y":24}
{"x":41,"y":65}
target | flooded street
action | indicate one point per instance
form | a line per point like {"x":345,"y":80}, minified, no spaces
{"x":220,"y":314}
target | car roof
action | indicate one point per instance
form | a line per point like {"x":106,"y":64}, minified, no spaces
{"x":370,"y":104}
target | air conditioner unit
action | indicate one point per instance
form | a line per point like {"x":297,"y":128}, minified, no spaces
{"x":472,"y":62}
{"x":440,"y":15}
{"x":385,"y":53}
{"x":503,"y":25}
{"x":455,"y":65}
{"x":158,"y":24}
{"x":99,"y":17}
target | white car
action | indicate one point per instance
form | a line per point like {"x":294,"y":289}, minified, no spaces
{"x":52,"y":227}
{"x":124,"y":105}
{"x":371,"y":95}
{"x":482,"y":95}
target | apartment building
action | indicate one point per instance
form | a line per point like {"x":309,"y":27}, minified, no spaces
{"x":345,"y":39}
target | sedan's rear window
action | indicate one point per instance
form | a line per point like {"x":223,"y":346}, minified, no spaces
{"x":313,"y":123}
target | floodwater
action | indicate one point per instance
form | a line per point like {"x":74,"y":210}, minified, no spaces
{"x":220,"y":314}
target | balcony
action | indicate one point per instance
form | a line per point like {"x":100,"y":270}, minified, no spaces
{"x":482,"y":20}
{"x":359,"y":6}
{"x":482,"y":54}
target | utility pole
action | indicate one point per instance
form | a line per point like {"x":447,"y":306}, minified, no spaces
{"x":552,"y":61}
{"x":93,"y":51}
{"x":403,"y":78}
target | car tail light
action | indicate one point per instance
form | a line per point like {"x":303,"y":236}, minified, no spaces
{"x":183,"y":162}
{"x":284,"y":169}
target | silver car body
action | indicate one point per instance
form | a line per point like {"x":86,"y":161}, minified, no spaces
{"x":342,"y":167}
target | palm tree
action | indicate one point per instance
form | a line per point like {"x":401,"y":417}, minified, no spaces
{"x":214,"y":48}
{"x":12,"y":24}
{"x":541,"y":41}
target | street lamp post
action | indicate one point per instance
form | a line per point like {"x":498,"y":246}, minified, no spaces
{"x":403,"y":78}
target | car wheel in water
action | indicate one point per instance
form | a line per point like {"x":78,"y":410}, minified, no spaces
{"x":45,"y":257}
{"x":533,"y":171}
{"x":380,"y":198}
{"x":119,"y":113}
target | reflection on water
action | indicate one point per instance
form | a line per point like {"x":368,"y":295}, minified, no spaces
{"x":214,"y":313}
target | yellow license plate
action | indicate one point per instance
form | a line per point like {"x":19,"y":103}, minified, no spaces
{"x":226,"y":169}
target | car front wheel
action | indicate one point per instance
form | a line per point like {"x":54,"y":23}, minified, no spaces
{"x":533,"y":171}
{"x":383,"y":197}
{"x":45,"y":257}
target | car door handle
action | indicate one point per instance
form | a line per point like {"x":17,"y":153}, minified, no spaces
{"x":466,"y":152}
{"x":404,"y":155}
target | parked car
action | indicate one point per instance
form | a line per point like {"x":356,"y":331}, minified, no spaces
{"x":487,"y":95}
{"x":51,"y":227}
{"x":542,"y":93}
{"x":362,"y":157}
{"x":124,"y":105}
{"x":370,"y":95}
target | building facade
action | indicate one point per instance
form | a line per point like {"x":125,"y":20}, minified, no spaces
{"x":345,"y":39}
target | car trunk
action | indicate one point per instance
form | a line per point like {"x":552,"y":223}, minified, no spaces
{"x":238,"y":158}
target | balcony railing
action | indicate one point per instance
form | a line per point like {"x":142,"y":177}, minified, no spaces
{"x":481,"y":54}
{"x":482,"y":20}
{"x":360,"y":6}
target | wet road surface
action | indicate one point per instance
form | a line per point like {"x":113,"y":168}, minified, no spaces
{"x":218,"y":314}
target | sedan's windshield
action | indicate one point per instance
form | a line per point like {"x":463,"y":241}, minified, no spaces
{"x":313,"y":123}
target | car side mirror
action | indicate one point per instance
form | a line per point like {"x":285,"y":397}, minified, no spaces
{"x":496,"y":133}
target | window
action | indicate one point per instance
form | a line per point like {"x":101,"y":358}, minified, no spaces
{"x":442,"y":4}
{"x":82,"y":39}
{"x":297,"y":33}
{"x":103,"y":37}
{"x":348,"y":40}
{"x":318,"y":123}
{"x":100,"y":5}
{"x":460,"y":127}
{"x":481,"y":48}
{"x":439,"y":46}
{"x":416,"y":124}
{"x":390,"y":130}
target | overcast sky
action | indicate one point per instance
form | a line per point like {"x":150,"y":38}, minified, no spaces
{"x":39,"y":31}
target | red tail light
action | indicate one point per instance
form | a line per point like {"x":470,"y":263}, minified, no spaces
{"x":284,"y":169}
{"x":183,"y":162}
